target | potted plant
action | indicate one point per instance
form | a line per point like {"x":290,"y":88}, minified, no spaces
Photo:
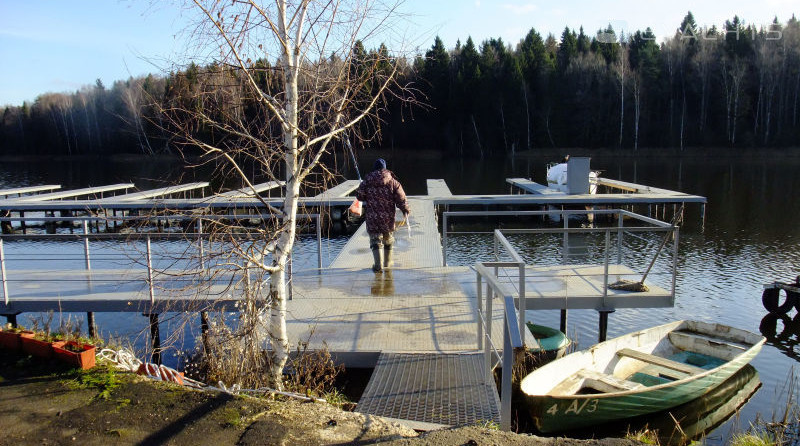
{"x":9,"y":338}
{"x":76,"y":354}
{"x":36,"y":344}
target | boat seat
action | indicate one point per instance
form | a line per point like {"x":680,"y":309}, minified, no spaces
{"x":607,"y":383}
{"x":595,"y":380}
{"x":709,"y":340}
{"x":661,"y":362}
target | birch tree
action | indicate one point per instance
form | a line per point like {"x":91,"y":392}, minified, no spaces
{"x":304,"y":89}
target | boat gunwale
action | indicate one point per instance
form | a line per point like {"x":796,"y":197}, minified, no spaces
{"x":752,"y":351}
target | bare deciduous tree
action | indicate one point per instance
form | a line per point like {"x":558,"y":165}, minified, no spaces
{"x":295,"y":60}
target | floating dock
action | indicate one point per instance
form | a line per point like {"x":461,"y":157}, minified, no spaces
{"x":417,"y":323}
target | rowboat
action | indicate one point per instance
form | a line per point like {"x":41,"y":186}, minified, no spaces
{"x":636,"y":374}
{"x":552,"y":343}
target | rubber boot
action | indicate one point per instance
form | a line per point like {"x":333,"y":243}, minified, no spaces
{"x":376,"y":255}
{"x":387,"y":256}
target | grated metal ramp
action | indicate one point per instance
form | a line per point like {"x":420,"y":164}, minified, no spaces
{"x":431,"y":390}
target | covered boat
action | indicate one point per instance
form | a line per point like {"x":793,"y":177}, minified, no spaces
{"x":636,"y":374}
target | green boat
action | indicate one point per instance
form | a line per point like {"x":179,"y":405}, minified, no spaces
{"x":552,"y":343}
{"x":636,"y":374}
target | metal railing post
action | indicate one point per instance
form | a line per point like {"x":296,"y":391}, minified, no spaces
{"x":86,"y":244}
{"x":90,"y":323}
{"x":479,"y":306}
{"x":605,"y":266}
{"x":505,"y":391}
{"x":444,"y":239}
{"x":488,"y":317}
{"x":619,"y":238}
{"x":200,"y":240}
{"x":522,"y":303}
{"x":3,"y":271}
{"x":674,"y":261}
{"x":319,"y":241}
{"x":150,"y":273}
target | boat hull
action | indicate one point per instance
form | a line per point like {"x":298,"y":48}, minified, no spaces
{"x":554,"y":413}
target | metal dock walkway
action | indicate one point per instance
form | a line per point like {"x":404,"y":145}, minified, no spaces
{"x":417,"y":246}
{"x":429,"y":391}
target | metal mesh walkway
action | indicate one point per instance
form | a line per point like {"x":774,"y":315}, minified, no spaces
{"x":429,"y":390}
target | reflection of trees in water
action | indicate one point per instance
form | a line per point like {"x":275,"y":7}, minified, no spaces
{"x":785,"y":339}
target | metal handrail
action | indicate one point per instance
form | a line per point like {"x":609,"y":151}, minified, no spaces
{"x":512,"y":337}
{"x":86,"y":236}
{"x":619,"y":230}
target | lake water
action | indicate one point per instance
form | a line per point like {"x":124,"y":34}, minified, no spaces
{"x":751,"y":237}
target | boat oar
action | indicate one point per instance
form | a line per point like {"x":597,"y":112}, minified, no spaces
{"x":640,"y":287}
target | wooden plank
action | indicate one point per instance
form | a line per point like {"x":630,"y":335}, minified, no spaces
{"x":28,"y":189}
{"x":247,"y":192}
{"x":76,"y":192}
{"x":533,"y":187}
{"x":438,"y":188}
{"x":340,"y":190}
{"x":661,"y":362}
{"x":153,"y":193}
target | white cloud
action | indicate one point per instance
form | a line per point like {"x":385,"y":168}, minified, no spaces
{"x":520,"y":9}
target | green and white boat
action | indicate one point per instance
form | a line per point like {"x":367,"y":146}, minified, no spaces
{"x":636,"y":374}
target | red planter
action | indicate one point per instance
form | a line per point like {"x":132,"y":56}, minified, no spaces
{"x":35,"y":347}
{"x":84,"y":359}
{"x":9,"y":340}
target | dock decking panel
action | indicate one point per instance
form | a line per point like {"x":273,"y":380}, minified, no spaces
{"x":417,"y":245}
{"x":75,"y":192}
{"x":340,"y":190}
{"x":431,"y":390}
{"x":28,"y":189}
{"x":637,"y":188}
{"x":247,"y":192}
{"x":153,"y":193}
{"x":533,"y":187}
{"x":438,"y":188}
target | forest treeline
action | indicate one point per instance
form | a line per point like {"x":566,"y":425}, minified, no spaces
{"x":736,"y":86}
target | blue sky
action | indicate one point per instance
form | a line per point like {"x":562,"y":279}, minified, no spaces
{"x":61,"y":45}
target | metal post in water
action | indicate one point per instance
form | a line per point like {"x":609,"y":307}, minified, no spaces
{"x":603,"y":329}
{"x":155,"y":338}
{"x":22,"y":222}
{"x":3,"y":269}
{"x":563,"y":325}
{"x":92,"y":326}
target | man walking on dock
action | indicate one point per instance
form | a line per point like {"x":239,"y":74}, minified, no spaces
{"x":381,"y":192}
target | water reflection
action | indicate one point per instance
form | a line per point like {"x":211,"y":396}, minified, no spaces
{"x":782,"y":333}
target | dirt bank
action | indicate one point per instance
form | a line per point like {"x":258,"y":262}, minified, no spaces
{"x":43,"y":405}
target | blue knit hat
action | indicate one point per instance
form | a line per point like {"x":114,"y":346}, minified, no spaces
{"x":380,"y":163}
